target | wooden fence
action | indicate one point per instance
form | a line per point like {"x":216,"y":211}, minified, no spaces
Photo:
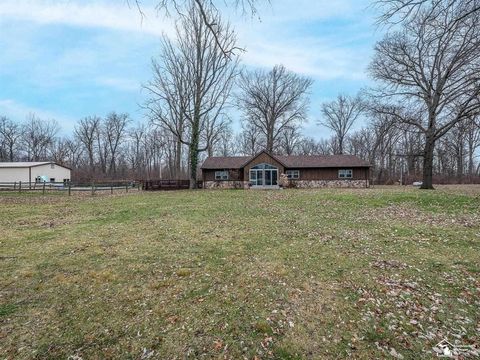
{"x":70,"y":187}
{"x":158,"y":185}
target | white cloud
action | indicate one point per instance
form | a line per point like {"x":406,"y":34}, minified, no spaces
{"x":115,"y":16}
{"x":18,"y":112}
{"x":324,"y":39}
{"x":321,"y":61}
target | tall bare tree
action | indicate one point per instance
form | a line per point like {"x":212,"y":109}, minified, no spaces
{"x":290,"y":141}
{"x":249,"y":141}
{"x":429,"y":75}
{"x":340,"y":115}
{"x":273,"y":101}
{"x":208,"y":11}
{"x":115,"y":129}
{"x":398,"y":11}
{"x":86,"y":132}
{"x":10,"y":135}
{"x":38,"y":136}
{"x":189,"y":93}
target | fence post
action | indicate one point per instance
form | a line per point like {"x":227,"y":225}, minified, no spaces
{"x":14,"y":186}
{"x":111,"y":189}
{"x":69,"y":189}
{"x":43,"y":190}
{"x":20,"y":187}
{"x":126,"y":187}
{"x":93,"y":188}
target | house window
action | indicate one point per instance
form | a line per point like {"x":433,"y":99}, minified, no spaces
{"x":293,"y":174}
{"x":52,"y":166}
{"x":221,"y":175}
{"x":345,"y":173}
{"x":52,"y":180}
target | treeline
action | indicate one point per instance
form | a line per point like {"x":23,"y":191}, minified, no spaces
{"x":116,"y":147}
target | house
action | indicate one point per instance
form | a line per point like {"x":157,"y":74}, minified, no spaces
{"x":31,"y":172}
{"x":266,"y":170}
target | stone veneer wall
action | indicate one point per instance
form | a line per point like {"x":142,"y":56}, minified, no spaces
{"x":309,"y":184}
{"x":226,"y":185}
{"x":301,"y":184}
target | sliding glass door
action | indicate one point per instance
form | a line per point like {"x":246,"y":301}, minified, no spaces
{"x":264,"y":175}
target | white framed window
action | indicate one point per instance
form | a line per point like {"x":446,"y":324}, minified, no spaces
{"x":221,"y":175}
{"x":293,"y":174}
{"x":345,"y":173}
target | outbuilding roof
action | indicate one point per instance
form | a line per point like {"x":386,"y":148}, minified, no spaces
{"x":28,"y":164}
{"x":291,"y":161}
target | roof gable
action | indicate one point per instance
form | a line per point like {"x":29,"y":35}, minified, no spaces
{"x":274,"y":157}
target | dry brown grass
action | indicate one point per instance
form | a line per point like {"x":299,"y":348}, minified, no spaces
{"x":240,"y":274}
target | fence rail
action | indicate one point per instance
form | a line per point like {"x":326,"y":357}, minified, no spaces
{"x":157,"y":185}
{"x":69,"y":187}
{"x":114,"y":186}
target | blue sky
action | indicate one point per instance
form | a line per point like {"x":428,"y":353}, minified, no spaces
{"x":67,"y":59}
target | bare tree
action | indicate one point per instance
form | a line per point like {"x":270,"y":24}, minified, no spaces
{"x":9,"y":138}
{"x":189,"y":93}
{"x":75,"y":152}
{"x":37,"y":137}
{"x":115,"y":129}
{"x":86,"y":132}
{"x":249,"y":141}
{"x":473,"y":142}
{"x":308,"y":146}
{"x":273,"y":101}
{"x":290,"y":140}
{"x":398,"y":11}
{"x":429,"y":72}
{"x":340,"y":115}
{"x":208,"y":11}
{"x":60,"y":151}
{"x":224,"y":146}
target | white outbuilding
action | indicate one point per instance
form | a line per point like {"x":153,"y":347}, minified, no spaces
{"x":31,"y":172}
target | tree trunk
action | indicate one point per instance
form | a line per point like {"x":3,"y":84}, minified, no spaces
{"x":269,"y":147}
{"x":194,"y":153}
{"x":428,"y":163}
{"x":178,"y":159}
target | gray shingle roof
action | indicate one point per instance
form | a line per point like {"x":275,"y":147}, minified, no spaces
{"x":296,"y":161}
{"x":322,"y":161}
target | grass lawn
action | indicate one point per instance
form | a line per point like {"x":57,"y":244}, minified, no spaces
{"x":293,"y":274}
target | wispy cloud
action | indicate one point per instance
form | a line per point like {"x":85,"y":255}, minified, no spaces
{"x":323,"y":39}
{"x":19,"y":112}
{"x":82,"y":57}
{"x":112,"y":15}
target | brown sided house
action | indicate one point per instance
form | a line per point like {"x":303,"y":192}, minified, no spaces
{"x":265,"y":170}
